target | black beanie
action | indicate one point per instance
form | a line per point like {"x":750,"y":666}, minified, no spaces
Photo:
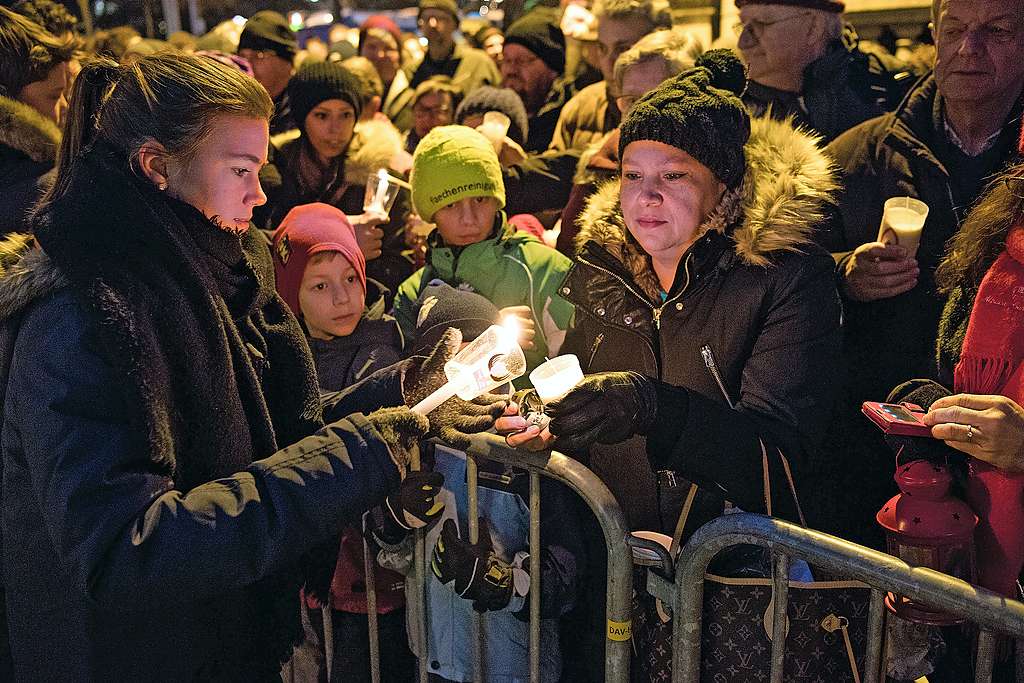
{"x":316,"y":82}
{"x":269,"y":31}
{"x":448,"y":6}
{"x":441,"y":306}
{"x":700,"y":112}
{"x":487,"y":98}
{"x":540,"y":34}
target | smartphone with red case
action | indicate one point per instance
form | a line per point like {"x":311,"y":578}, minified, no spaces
{"x":902,"y":419}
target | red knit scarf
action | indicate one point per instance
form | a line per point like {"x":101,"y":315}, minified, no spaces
{"x":994,"y":344}
{"x":990,"y":361}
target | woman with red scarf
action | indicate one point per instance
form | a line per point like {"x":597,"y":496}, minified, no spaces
{"x":981,"y":340}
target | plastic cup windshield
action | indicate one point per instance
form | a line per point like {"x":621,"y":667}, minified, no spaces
{"x":381,"y":192}
{"x":495,"y":127}
{"x":555,"y":378}
{"x":492,"y":359}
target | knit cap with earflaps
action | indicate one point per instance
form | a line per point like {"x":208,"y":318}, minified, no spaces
{"x":700,"y":112}
{"x":453,"y":163}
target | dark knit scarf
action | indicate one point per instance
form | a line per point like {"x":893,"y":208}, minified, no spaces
{"x":215,"y":367}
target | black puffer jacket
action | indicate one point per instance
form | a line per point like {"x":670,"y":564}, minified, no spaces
{"x":842,"y":88}
{"x":752,"y":320}
{"x":28,"y":151}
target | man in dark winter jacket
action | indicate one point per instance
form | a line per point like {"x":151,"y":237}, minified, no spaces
{"x":269,"y":44}
{"x":953,"y":133}
{"x":805,"y":64}
{"x":532,"y":64}
{"x":468,"y":67}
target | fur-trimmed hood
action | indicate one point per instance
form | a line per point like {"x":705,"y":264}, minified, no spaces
{"x":26,"y":130}
{"x":375,"y":144}
{"x":783,"y":196}
{"x":26,"y":274}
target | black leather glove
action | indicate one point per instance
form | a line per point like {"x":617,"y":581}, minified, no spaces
{"x":413,"y":506}
{"x":479,"y":575}
{"x":401,"y":429}
{"x":455,"y":419}
{"x":608,"y":407}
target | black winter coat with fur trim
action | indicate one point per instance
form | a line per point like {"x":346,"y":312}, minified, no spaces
{"x":752,"y":320}
{"x":152,"y":523}
{"x":28,"y":151}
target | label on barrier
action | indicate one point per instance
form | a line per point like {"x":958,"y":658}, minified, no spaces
{"x":620,"y":630}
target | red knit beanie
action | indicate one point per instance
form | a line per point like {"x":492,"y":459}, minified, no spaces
{"x":823,"y":5}
{"x":306,"y":230}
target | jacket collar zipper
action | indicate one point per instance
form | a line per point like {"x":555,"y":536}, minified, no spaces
{"x":686,"y":285}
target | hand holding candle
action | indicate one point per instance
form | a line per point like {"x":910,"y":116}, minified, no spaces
{"x":492,"y":359}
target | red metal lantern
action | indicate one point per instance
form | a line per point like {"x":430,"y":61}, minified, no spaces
{"x":928,"y":527}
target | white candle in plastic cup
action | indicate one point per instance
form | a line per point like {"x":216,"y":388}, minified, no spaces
{"x":902,"y":221}
{"x":495,"y":128}
{"x":555,"y":378}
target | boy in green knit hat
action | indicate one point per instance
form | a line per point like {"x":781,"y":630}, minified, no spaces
{"x":457,"y":185}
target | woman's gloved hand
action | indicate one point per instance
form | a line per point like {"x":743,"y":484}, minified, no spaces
{"x":607,"y":408}
{"x":401,"y":429}
{"x":478,"y":574}
{"x":454,"y":420}
{"x":414,"y":505}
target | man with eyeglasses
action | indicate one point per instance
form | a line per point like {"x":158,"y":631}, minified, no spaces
{"x":468,"y":67}
{"x":533,"y":65}
{"x":593,"y":112}
{"x":270,"y":46}
{"x":805,"y":63}
{"x":952,"y":134}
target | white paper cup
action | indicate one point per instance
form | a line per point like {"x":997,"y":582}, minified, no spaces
{"x":495,"y":128}
{"x":903,"y":219}
{"x":555,"y":378}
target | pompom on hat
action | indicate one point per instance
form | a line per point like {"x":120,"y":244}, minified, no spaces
{"x":700,"y":112}
{"x":310,"y":229}
{"x":453,"y":163}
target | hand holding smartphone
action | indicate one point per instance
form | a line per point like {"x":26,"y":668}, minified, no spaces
{"x":901,"y":419}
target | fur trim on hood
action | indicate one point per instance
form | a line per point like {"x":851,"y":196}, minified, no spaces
{"x":28,"y":131}
{"x":776,"y":208}
{"x":375,"y":144}
{"x":26,"y":274}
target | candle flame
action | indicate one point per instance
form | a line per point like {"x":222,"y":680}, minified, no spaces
{"x":511,"y":325}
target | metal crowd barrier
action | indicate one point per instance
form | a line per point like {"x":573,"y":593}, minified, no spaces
{"x":883,"y":573}
{"x":613,"y":525}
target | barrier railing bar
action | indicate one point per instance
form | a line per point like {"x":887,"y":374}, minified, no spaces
{"x":370,"y":577}
{"x":876,"y":632}
{"x":878,"y":570}
{"x":613,"y":525}
{"x":478,"y":630}
{"x":417,"y":575}
{"x":780,"y":600}
{"x":986,"y":657}
{"x":535,"y":577}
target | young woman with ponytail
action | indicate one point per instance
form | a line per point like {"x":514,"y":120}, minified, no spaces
{"x":167,"y":457}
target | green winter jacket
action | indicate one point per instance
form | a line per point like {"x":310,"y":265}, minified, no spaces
{"x":510,"y":269}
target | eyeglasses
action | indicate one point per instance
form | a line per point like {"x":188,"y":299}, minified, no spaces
{"x":758,"y":27}
{"x":521,"y":62}
{"x":433,"y":112}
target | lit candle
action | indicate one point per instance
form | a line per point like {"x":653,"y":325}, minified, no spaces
{"x":555,"y":378}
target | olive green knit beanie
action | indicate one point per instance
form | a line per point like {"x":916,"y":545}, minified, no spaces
{"x":700,"y":112}
{"x":453,"y":163}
